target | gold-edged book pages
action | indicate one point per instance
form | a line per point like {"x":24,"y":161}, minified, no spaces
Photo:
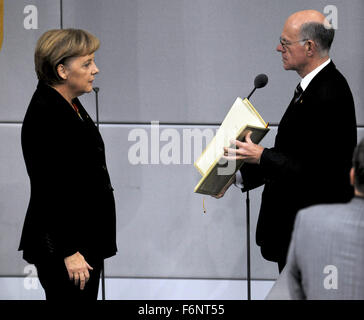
{"x":215,"y":170}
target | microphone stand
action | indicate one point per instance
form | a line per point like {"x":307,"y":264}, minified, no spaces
{"x":248,"y":245}
{"x":96,"y":90}
{"x":250,"y":94}
{"x":61,"y":13}
{"x":248,"y":233}
{"x":259,"y":82}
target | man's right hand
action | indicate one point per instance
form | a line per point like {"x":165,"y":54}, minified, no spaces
{"x":77,"y":268}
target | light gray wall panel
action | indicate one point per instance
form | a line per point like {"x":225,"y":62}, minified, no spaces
{"x":162,"y":230}
{"x":348,"y":49}
{"x":182,"y":61}
{"x":14,"y":197}
{"x":360,"y":134}
{"x":17,"y":76}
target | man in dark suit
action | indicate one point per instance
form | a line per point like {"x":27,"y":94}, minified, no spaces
{"x":311,"y":157}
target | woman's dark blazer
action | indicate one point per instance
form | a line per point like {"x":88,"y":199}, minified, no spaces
{"x":71,"y":205}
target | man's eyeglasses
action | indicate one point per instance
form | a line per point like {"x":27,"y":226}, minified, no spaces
{"x":284,"y":43}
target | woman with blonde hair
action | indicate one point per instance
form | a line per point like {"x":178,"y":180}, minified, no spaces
{"x":70,"y":225}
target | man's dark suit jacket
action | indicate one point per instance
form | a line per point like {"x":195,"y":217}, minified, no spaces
{"x":310,"y":160}
{"x":71,"y":205}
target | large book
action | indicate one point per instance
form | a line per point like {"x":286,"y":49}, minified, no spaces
{"x":216,"y":171}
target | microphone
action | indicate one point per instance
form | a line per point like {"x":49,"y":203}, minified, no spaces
{"x":260,"y":81}
{"x":97,"y":89}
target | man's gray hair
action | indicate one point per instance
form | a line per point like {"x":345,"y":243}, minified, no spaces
{"x":321,"y":34}
{"x":358,"y":165}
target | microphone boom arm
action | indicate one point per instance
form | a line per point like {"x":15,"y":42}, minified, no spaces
{"x":255,"y":88}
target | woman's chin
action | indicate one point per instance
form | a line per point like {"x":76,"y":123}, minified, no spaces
{"x":88,"y":89}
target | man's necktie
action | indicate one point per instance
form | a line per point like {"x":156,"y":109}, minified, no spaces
{"x":297,"y":93}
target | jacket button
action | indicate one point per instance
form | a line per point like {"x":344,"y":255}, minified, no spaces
{"x":100,"y":149}
{"x":104,"y":167}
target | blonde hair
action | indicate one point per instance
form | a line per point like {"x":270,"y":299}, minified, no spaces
{"x":54,"y":47}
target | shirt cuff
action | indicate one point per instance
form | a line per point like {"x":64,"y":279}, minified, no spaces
{"x":239,"y":180}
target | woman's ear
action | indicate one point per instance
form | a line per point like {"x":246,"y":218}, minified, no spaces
{"x":62,"y":72}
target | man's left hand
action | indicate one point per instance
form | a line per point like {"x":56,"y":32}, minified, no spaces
{"x":247,"y":151}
